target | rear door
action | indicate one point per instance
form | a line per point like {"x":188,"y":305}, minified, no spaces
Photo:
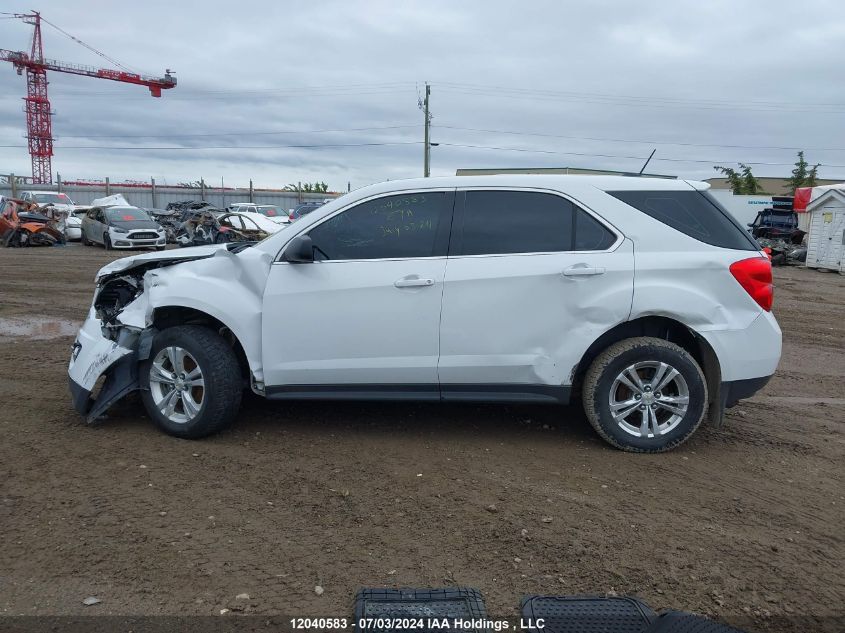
{"x":531,"y":281}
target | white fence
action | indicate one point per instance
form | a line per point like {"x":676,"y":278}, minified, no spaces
{"x":151,"y":196}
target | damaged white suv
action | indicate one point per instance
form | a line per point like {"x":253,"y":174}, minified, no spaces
{"x":641,"y":298}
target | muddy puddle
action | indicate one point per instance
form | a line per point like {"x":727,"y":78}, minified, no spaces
{"x":36,"y":328}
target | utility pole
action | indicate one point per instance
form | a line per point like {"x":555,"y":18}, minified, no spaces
{"x":427,"y":144}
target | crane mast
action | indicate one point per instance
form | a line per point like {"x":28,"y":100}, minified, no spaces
{"x":37,"y":103}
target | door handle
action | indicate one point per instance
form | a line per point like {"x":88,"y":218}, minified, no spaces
{"x":582,"y":270}
{"x":412,"y":282}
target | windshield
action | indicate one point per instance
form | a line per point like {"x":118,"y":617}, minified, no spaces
{"x":783,"y":219}
{"x":52,"y":198}
{"x":270,"y":210}
{"x":124,"y":214}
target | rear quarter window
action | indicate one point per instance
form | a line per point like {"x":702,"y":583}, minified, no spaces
{"x":693,"y":213}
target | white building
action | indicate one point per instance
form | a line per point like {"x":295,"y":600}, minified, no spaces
{"x":826,"y":239}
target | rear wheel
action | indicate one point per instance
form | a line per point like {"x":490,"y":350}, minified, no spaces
{"x":645,"y":395}
{"x":194,"y":382}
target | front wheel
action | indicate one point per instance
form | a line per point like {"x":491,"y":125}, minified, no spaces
{"x":645,"y":395}
{"x":191,"y":382}
{"x":106,"y":241}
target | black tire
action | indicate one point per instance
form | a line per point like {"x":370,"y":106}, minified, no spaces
{"x":159,"y":248}
{"x":84,"y":239}
{"x":599,"y":382}
{"x":221,"y":374}
{"x":106,"y":241}
{"x":12,"y":239}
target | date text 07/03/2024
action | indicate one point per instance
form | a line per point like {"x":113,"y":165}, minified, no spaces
{"x":411,"y":624}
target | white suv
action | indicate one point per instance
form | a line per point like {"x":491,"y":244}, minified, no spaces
{"x":641,"y":298}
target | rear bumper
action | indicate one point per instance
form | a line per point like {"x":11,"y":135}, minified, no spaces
{"x":736,"y":390}
{"x":752,"y":353}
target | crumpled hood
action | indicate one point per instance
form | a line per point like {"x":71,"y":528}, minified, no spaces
{"x":161,"y":258}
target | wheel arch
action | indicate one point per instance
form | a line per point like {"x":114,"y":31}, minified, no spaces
{"x":669,"y":329}
{"x":172,"y":315}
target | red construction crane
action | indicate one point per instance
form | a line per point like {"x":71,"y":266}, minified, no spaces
{"x":38,"y":113}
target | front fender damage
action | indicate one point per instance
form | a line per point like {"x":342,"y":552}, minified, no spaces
{"x":118,"y":333}
{"x":96,"y":356}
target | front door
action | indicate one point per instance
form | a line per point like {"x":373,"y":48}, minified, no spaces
{"x":532,"y":279}
{"x":366,"y":313}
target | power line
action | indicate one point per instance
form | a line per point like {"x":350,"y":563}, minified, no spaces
{"x":619,"y":140}
{"x":643,"y":102}
{"x":290,"y":89}
{"x":671,"y":160}
{"x":683,"y":100}
{"x":260,"y":133}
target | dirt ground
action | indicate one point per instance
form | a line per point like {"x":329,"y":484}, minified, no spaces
{"x":743,"y":522}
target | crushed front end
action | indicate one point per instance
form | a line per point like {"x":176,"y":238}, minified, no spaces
{"x":117,"y":334}
{"x":106,"y":348}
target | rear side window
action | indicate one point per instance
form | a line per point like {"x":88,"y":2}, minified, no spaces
{"x":393,"y":227}
{"x":693,"y":213}
{"x":506,"y":222}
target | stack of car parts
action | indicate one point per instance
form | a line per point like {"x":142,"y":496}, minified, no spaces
{"x":21,"y":226}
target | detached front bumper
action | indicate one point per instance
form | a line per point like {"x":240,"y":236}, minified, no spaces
{"x":95,"y":356}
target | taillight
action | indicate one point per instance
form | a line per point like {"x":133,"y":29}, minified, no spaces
{"x":755,"y":275}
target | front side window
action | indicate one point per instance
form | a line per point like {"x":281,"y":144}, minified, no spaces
{"x":510,"y":222}
{"x":393,"y":227}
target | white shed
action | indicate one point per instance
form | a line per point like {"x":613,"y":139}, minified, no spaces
{"x":826,"y":240}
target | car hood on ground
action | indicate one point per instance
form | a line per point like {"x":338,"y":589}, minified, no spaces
{"x":161,"y":258}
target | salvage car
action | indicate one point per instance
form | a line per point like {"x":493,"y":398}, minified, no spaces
{"x":241,"y":227}
{"x":641,"y":299}
{"x":21,"y":226}
{"x":59,"y":207}
{"x":122,"y":227}
{"x":274,"y":212}
{"x":776,"y":224}
{"x":301,"y":210}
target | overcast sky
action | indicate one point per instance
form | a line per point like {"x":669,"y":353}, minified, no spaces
{"x":598,"y":83}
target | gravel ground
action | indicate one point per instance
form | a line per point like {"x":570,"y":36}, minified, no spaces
{"x":744,"y":522}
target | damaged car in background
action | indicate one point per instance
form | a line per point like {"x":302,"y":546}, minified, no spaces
{"x":117,"y":227}
{"x":22,"y":225}
{"x":58,"y":207}
{"x":410,"y":290}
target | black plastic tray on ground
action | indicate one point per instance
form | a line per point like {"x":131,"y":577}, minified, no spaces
{"x":587,"y":614}
{"x":376,"y":608}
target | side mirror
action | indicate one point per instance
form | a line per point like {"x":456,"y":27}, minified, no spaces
{"x":300,"y":250}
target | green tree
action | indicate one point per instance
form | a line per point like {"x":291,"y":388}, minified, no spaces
{"x":803,"y":175}
{"x":308,"y":187}
{"x":742,"y":182}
